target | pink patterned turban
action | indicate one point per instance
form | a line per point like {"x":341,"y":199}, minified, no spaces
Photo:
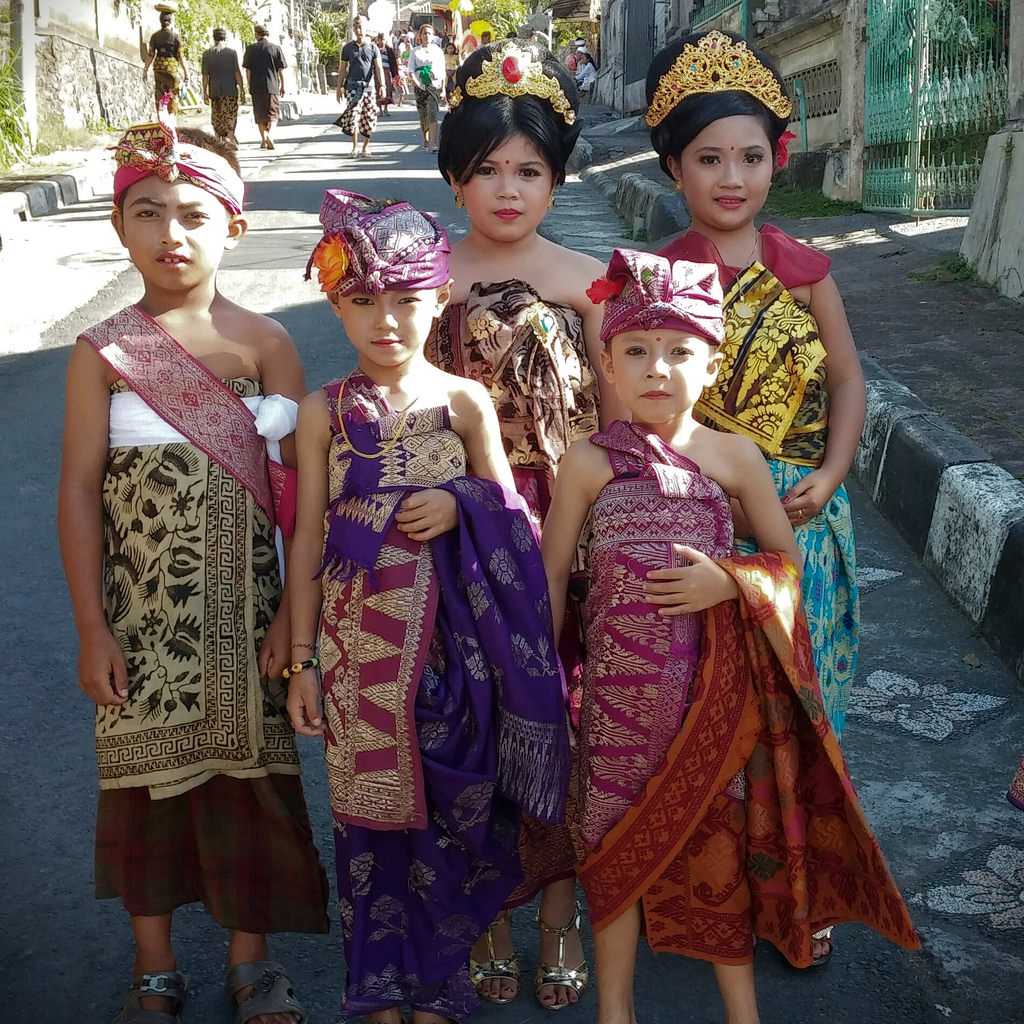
{"x":372,"y":246}
{"x":154,"y":149}
{"x":643,"y":292}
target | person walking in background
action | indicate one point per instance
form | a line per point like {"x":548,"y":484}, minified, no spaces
{"x":426,"y":69}
{"x":389,"y":59}
{"x":361,"y":72}
{"x":170,"y":72}
{"x":451,"y":65}
{"x":223,"y":87}
{"x":264,"y":63}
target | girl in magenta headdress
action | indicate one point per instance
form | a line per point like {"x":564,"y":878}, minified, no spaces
{"x":442,"y":700}
{"x":520,"y":323}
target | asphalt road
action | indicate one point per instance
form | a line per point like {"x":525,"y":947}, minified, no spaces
{"x":935,"y":726}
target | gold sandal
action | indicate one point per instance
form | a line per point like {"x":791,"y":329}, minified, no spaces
{"x":495,"y":968}
{"x":575,"y":978}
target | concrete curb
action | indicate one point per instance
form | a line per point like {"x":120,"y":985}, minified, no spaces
{"x":959,"y":511}
{"x":650,"y":210}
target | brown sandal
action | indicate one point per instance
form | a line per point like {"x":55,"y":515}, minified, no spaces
{"x":171,"y":985}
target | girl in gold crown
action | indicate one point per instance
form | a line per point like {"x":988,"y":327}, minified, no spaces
{"x":521,"y":323}
{"x":790,"y":380}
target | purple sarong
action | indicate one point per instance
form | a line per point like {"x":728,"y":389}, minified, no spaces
{"x":443,"y":702}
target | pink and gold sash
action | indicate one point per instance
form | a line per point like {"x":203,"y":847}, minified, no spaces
{"x":185,"y":393}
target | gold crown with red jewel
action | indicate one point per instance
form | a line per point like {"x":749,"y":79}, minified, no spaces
{"x":514,"y":72}
{"x":716,"y":63}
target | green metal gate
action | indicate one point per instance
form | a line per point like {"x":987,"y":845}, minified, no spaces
{"x":936,"y":89}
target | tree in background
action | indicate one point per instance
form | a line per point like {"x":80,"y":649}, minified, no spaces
{"x":196,"y":19}
{"x":568,"y":29}
{"x":505,"y":15}
{"x":329,"y":29}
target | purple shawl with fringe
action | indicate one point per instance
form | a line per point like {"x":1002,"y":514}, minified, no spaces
{"x":480,"y":590}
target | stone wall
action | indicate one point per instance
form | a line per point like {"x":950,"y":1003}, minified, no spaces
{"x":80,"y":86}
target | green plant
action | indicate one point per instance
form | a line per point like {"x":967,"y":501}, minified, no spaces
{"x":196,"y":19}
{"x":505,"y":15}
{"x":791,"y":201}
{"x":952,"y":267}
{"x":328,"y":30}
{"x":13,"y":130}
{"x":568,"y":29}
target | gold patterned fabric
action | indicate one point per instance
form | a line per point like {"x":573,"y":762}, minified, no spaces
{"x":532,"y":357}
{"x":191,"y":584}
{"x":771,"y":387}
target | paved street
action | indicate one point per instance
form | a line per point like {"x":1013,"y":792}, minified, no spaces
{"x":935,"y":726}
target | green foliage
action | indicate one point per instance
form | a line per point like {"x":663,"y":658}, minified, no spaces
{"x":791,"y":201}
{"x":568,"y":29}
{"x":329,"y":30}
{"x":952,"y":267}
{"x":196,"y":19}
{"x":13,"y":131}
{"x":505,"y":15}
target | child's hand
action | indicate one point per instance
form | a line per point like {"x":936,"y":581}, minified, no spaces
{"x":804,"y":501}
{"x":102,"y":673}
{"x":276,"y":649}
{"x":689,"y":588}
{"x":427,"y":514}
{"x":304,"y":704}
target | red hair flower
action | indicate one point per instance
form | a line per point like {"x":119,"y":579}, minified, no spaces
{"x":782,"y":149}
{"x":602,"y":290}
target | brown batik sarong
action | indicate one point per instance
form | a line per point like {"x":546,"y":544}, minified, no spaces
{"x":266,"y":109}
{"x":224,"y":116}
{"x":243,"y":847}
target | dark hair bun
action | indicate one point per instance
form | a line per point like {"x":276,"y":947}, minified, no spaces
{"x":476,"y":127}
{"x":695,"y":113}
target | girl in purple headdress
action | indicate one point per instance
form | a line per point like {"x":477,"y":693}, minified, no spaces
{"x":520,"y":323}
{"x":441,"y":701}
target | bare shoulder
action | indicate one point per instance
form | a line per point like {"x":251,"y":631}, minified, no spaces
{"x":587,"y":464}
{"x":730,"y":460}
{"x":314,"y":416}
{"x":467,"y":398}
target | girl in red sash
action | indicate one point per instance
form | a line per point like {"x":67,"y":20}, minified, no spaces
{"x":713,"y":803}
{"x":167,"y":529}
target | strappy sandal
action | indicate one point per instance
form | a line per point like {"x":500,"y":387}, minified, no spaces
{"x":272,"y":991}
{"x":495,"y":968}
{"x":575,"y":978}
{"x":171,"y":985}
{"x":825,"y":935}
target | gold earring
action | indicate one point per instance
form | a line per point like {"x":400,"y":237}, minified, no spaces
{"x":551,"y":199}
{"x":459,"y":201}
{"x":679,"y":186}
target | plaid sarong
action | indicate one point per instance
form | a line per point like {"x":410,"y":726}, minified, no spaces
{"x":243,"y":847}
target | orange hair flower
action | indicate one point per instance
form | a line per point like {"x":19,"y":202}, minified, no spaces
{"x":331,"y":260}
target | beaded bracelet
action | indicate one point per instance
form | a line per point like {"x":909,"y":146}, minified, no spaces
{"x":300,"y":666}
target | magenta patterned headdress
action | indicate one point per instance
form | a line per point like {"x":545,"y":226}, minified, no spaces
{"x":642,"y":292}
{"x":372,"y":246}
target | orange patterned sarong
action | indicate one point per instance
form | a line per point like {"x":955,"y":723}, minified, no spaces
{"x":795,"y":856}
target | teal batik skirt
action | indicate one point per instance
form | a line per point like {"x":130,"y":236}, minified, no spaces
{"x":831,"y":598}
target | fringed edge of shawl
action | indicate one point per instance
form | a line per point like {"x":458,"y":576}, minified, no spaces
{"x":533,"y":767}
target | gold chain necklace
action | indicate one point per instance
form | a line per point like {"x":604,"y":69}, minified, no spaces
{"x":385,"y":446}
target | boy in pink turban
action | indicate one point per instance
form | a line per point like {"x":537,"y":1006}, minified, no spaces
{"x":714,"y":804}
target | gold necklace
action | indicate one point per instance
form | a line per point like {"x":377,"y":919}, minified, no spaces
{"x":385,"y":446}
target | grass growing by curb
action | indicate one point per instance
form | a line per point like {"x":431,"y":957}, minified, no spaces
{"x":952,"y":267}
{"x":13,"y":133}
{"x":790,"y":201}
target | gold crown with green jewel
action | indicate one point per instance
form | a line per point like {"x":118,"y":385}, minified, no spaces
{"x":716,"y":63}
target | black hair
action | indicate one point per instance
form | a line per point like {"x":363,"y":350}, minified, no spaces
{"x":477,"y":127}
{"x":219,"y":34}
{"x":689,"y":118}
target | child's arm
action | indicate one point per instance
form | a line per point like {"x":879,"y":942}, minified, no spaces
{"x":583,"y":471}
{"x":754,"y":488}
{"x":429,"y":513}
{"x":102,"y":673}
{"x":306,"y":594}
{"x":845,"y":383}
{"x":280,"y":374}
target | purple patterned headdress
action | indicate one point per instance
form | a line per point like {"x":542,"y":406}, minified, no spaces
{"x":643,"y":292}
{"x":371,"y":246}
